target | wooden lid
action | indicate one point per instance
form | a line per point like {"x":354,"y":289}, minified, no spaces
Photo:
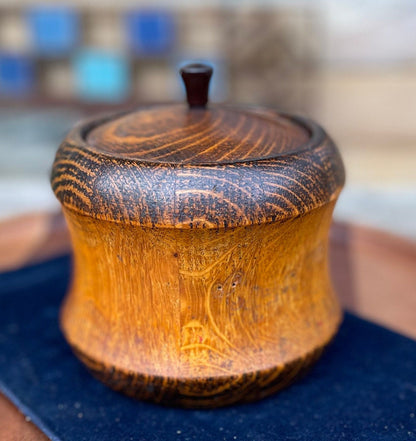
{"x":177,"y":134}
{"x":194,"y":134}
{"x":196,"y":167}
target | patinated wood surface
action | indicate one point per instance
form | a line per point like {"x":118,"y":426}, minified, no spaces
{"x":200,"y":307}
{"x":172,"y":134}
{"x":98,"y":180}
{"x":360,"y":258}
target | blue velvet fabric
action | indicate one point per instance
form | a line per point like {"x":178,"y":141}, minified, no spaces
{"x":363,"y":388}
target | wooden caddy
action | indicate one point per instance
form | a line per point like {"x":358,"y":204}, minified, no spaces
{"x":200,"y":238}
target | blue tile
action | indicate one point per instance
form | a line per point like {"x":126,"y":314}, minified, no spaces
{"x":101,"y":76}
{"x":54,"y":30}
{"x":150,"y":32}
{"x":17,"y":74}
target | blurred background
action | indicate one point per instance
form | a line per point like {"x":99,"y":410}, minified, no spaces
{"x":350,"y":65}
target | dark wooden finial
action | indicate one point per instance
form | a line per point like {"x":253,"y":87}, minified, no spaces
{"x":196,"y":78}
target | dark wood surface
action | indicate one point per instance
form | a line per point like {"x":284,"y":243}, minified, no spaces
{"x":373,"y":273}
{"x":107,"y":185}
{"x":196,"y":77}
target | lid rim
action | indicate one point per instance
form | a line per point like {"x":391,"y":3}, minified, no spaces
{"x":196,"y":195}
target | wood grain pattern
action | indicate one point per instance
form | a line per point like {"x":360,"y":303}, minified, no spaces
{"x":182,"y":195}
{"x":199,"y":305}
{"x":173,"y":134}
{"x":198,"y":283}
{"x":358,"y":256}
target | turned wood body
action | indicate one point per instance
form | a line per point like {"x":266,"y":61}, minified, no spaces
{"x":200,"y":251}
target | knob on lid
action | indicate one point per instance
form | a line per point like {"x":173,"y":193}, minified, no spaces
{"x":196,"y":134}
{"x":196,"y":78}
